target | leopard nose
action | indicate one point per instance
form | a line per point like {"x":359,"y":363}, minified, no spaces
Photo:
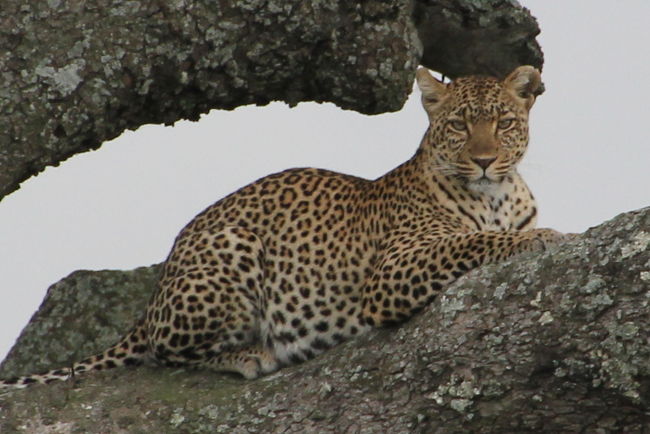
{"x":484,"y":163}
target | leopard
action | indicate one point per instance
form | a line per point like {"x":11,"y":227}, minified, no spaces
{"x":299,"y":261}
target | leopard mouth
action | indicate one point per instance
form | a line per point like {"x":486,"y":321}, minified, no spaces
{"x":483,"y":179}
{"x":483,"y":183}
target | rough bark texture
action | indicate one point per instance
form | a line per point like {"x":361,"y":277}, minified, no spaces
{"x":74,"y":74}
{"x":555,"y":342}
{"x":476,"y":37}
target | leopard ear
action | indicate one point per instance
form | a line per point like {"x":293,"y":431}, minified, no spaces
{"x":433,"y":91}
{"x":525,"y":83}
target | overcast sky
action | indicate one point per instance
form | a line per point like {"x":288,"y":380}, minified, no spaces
{"x":121,"y":206}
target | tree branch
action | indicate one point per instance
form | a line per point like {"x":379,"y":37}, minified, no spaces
{"x":555,"y":342}
{"x":76,"y":74}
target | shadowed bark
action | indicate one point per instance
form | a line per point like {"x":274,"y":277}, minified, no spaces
{"x":547,"y":343}
{"x":75,"y":74}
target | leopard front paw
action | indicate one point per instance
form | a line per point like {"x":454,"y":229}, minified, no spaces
{"x":538,"y":240}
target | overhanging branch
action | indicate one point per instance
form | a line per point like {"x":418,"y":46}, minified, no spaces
{"x":76,"y":74}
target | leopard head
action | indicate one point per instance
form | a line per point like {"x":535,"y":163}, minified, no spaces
{"x":478,"y":126}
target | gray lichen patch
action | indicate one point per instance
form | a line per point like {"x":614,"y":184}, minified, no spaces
{"x":640,"y":242}
{"x":64,"y":80}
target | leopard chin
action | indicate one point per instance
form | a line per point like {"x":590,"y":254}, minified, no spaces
{"x":483,"y":185}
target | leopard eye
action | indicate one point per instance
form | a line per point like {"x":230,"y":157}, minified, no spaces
{"x":504,"y":124}
{"x":458,"y":125}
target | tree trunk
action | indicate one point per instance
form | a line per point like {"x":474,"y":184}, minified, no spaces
{"x":557,"y":342}
{"x":74,"y":74}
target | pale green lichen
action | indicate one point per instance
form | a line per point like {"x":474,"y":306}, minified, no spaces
{"x":640,"y":242}
{"x":500,"y":291}
{"x":546,"y":318}
{"x":64,"y":80}
{"x":460,"y":405}
{"x":457,"y":392}
{"x":537,"y":300}
{"x":452,"y":303}
{"x":598,"y":302}
{"x":177,"y":418}
{"x":594,"y":284}
{"x":79,"y":47}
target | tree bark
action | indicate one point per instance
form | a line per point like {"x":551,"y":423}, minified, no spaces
{"x":75,"y":74}
{"x":557,"y":342}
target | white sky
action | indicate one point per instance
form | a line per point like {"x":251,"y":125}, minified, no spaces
{"x":121,"y":206}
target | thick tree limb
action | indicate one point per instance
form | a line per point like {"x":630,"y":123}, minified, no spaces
{"x":549,"y":343}
{"x":476,"y":37}
{"x":75,"y":74}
